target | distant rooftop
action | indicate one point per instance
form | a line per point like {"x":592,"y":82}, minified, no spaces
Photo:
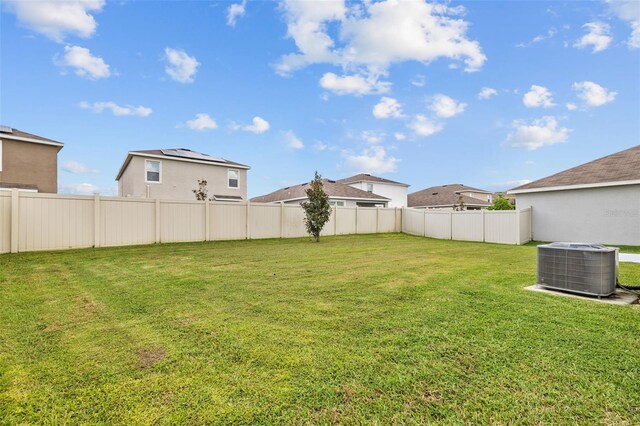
{"x":334,"y":189}
{"x":445,"y":195}
{"x":365,"y":177}
{"x":8,"y":132}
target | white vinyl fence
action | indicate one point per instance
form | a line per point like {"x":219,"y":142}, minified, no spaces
{"x":491,"y":226}
{"x":34,"y":221}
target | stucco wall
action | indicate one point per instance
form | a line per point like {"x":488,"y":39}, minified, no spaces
{"x":608,"y":215}
{"x":30,"y":164}
{"x":178,"y":179}
{"x":396,"y":193}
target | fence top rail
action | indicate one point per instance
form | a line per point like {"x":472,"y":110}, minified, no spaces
{"x":43,"y":195}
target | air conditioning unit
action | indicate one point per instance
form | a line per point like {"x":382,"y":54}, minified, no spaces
{"x":582,"y":268}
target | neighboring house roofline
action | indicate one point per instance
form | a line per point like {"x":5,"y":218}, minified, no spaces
{"x":578,"y":186}
{"x":32,"y":140}
{"x":331,"y":197}
{"x":448,"y":205}
{"x":132,"y":154}
{"x":365,"y":177}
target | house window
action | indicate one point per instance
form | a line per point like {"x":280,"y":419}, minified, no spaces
{"x":234,"y":178}
{"x":336,"y":203}
{"x":152,"y":169}
{"x":369,"y":187}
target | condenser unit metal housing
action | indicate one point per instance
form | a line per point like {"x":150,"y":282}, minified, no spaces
{"x":590,"y":269}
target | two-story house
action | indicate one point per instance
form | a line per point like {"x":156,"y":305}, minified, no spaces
{"x":174,"y":174}
{"x":396,"y":192}
{"x":28,"y":162}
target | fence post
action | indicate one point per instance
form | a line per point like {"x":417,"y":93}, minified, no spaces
{"x":424,"y":223}
{"x":158,"y":236}
{"x":335,"y":219}
{"x":483,"y":225}
{"x":402,"y":213}
{"x":207,"y":220}
{"x":530,"y":223}
{"x":15,"y":217}
{"x":96,"y":220}
{"x":377,"y":220}
{"x":356,"y":218}
{"x":282,"y":219}
{"x":248,"y":229}
{"x":451,"y":225}
{"x":518,"y":224}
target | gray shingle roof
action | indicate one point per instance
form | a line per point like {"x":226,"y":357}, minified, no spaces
{"x":364,"y":177}
{"x":444,"y":195}
{"x":187,"y":154}
{"x":332,"y":188}
{"x":618,"y":167}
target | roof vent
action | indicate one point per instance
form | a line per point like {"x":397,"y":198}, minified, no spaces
{"x":6,"y":129}
{"x":434,"y":193}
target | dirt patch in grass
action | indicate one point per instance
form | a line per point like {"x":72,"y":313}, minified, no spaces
{"x":147,"y":358}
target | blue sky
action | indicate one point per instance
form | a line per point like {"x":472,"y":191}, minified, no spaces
{"x":489,"y":94}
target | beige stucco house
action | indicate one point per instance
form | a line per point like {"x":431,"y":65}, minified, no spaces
{"x":174,"y":174}
{"x":28,"y":162}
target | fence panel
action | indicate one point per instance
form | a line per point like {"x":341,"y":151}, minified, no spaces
{"x":346,"y":217}
{"x":438,"y":224}
{"x":413,"y":222}
{"x":228,"y":221}
{"x":50,"y":222}
{"x":467,"y":226}
{"x":386,"y":220}
{"x":367,"y":220}
{"x":182,"y":221}
{"x":525,"y":225}
{"x":127,"y":221}
{"x":294,"y":222}
{"x":264,"y":220}
{"x":5,"y":222}
{"x":330,"y":227}
{"x":500,"y":227}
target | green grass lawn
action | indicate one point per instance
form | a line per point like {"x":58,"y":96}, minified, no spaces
{"x":357,"y":329}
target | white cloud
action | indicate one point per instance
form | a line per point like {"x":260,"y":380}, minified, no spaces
{"x":56,"y":19}
{"x":399,"y":136}
{"x":629,"y":11}
{"x":181,"y":67}
{"x":117,"y":110}
{"x":419,"y":80}
{"x":592,"y":94}
{"x":537,"y":133}
{"x":373,"y":137}
{"x":446,"y":107}
{"x":353,"y":84}
{"x":74,"y":167}
{"x":387,"y":108}
{"x":259,"y":125}
{"x":320,"y":146}
{"x":292,"y":140}
{"x":368,"y":42}
{"x":372,"y":160}
{"x":510,"y":183}
{"x":571,"y":106}
{"x":423,"y":126}
{"x":202,"y":122}
{"x":540,"y":37}
{"x":79,"y":188}
{"x":538,"y":96}
{"x":598,"y":36}
{"x":486,"y":93}
{"x":84,"y":63}
{"x":235,"y":11}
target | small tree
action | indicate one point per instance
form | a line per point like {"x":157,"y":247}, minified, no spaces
{"x":317,"y":210}
{"x":501,"y":203}
{"x":201,"y":192}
